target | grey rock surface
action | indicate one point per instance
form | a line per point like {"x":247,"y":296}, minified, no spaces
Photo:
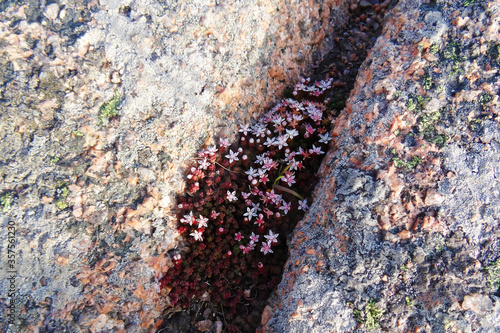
{"x":404,"y":224}
{"x":102,"y":104}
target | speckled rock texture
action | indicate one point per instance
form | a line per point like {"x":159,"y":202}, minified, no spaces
{"x":403,"y":234}
{"x":102,"y":104}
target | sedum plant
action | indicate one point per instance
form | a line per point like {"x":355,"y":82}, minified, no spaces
{"x":242,"y":200}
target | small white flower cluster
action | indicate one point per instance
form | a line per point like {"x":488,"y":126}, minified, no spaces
{"x":272,"y":238}
{"x":317,"y":89}
{"x":279,"y":159}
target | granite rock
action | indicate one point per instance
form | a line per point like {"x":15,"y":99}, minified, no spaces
{"x":405,"y":218}
{"x":102,"y":105}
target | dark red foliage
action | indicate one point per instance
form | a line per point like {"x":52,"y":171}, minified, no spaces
{"x":214,"y":262}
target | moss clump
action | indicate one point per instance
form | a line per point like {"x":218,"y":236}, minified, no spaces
{"x":416,"y":103}
{"x":5,"y":201}
{"x":493,"y":270}
{"x":484,"y":99}
{"x":453,"y":51}
{"x":62,"y":192}
{"x":109,"y":109}
{"x":494,"y":53}
{"x":373,"y":315}
{"x":427,"y":122}
{"x":427,"y":82}
{"x":370,"y":316}
{"x":409,"y":165}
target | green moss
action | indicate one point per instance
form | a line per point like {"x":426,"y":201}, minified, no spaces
{"x":109,"y":109}
{"x":493,"y":270}
{"x":416,"y":103}
{"x":453,"y":51}
{"x":408,"y":300}
{"x":409,"y":165}
{"x":373,"y":316}
{"x":457,"y":69}
{"x":438,"y":139}
{"x":62,"y":205}
{"x":5,"y":201}
{"x":427,"y":82}
{"x":434,"y":48}
{"x":62,"y":193}
{"x":484,"y":99}
{"x":427,"y":122}
{"x":54,"y":160}
{"x":358,"y":316}
{"x":370,"y":316}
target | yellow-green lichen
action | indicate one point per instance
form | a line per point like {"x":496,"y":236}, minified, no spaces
{"x":6,"y":201}
{"x":109,"y":109}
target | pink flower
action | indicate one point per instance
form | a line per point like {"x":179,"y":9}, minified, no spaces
{"x":285,"y":207}
{"x":269,"y":163}
{"x":204,"y":164}
{"x":246,"y":249}
{"x":303,"y":205}
{"x":270,"y":142}
{"x":238,"y":237}
{"x":281,"y":142}
{"x":290,"y":156}
{"x":260,"y":158}
{"x":316,"y":150}
{"x":288,"y":178}
{"x":263,"y":178}
{"x":268,"y":212}
{"x":271,"y":238}
{"x":298,"y":117}
{"x":291,"y":133}
{"x":252,"y":173}
{"x":324,"y":138}
{"x":190,"y":219}
{"x":251,"y":212}
{"x":202,"y":222}
{"x":197,"y":235}
{"x":260,"y":219}
{"x":231,"y":196}
{"x":232,"y":156}
{"x":309,"y":130}
{"x":254,"y":238}
{"x":224,"y":143}
{"x":266,"y":248}
{"x":244,"y":129}
{"x":278,"y":121}
{"x":259,"y":130}
{"x":214,"y":214}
